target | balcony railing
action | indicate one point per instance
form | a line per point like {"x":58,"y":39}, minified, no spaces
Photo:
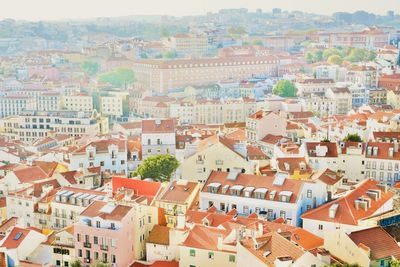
{"x":87,"y":245}
{"x":104,"y":247}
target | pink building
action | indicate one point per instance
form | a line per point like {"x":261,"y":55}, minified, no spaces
{"x":105,"y":233}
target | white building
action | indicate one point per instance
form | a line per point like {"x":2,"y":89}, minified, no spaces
{"x":158,"y":137}
{"x":273,"y":197}
{"x":262,"y":123}
{"x":111,"y":105}
{"x":352,"y":212}
{"x":110,"y":155}
{"x":78,"y":102}
{"x":14,"y":105}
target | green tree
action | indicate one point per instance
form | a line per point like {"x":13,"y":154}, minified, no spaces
{"x":335,"y":60}
{"x":240,"y":30}
{"x":90,"y":67}
{"x":159,"y":168}
{"x":332,"y":51}
{"x":76,"y":263}
{"x":257,"y":42}
{"x":118,"y":78}
{"x":394,"y":263}
{"x":285,"y":88}
{"x":170,"y":54}
{"x":353,"y":138}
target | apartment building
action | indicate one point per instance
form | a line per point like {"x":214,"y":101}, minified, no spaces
{"x":49,"y":101}
{"x":111,"y":106}
{"x":343,"y":99}
{"x":361,"y":74}
{"x":219,"y":154}
{"x":262,"y":123}
{"x":370,"y":38}
{"x":78,"y":102}
{"x":103,"y":228}
{"x":60,"y":245}
{"x":63,"y":207}
{"x":306,"y":87}
{"x":351,"y":212}
{"x":35,"y":124}
{"x":161,"y":75}
{"x":110,"y":154}
{"x":158,"y":137}
{"x":15,"y":104}
{"x":187,"y":44}
{"x":352,"y":246}
{"x":382,"y":162}
{"x":389,"y":81}
{"x":271,"y":196}
{"x":22,"y":203}
{"x":176,"y":199}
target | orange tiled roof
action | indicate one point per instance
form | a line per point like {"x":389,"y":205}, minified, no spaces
{"x":381,"y":244}
{"x":347,"y":212}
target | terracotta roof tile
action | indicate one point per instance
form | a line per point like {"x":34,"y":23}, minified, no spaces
{"x":381,"y":244}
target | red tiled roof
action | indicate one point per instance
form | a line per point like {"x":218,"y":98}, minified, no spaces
{"x":332,"y":148}
{"x":140,"y":187}
{"x":95,"y":210}
{"x":255,"y":181}
{"x":381,"y":244}
{"x":383,"y":151}
{"x":10,"y":242}
{"x":294,"y":164}
{"x":347,"y":212}
{"x":204,"y":237}
{"x":328,"y":177}
{"x":164,"y":126}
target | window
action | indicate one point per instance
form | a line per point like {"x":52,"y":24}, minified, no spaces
{"x":95,"y":240}
{"x":113,"y":259}
{"x":79,"y":252}
{"x":78,"y":237}
{"x":320,"y":227}
{"x":211,"y":255}
{"x":232,"y":258}
{"x":245,"y":209}
{"x":309,"y":193}
{"x":282,"y":214}
{"x":192,"y":253}
{"x":97,"y":224}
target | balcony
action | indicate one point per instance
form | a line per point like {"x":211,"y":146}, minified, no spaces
{"x":87,"y":245}
{"x":104,"y":247}
{"x":199,"y":161}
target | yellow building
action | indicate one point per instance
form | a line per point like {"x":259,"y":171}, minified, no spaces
{"x":393,"y":98}
{"x":217,"y":249}
{"x":218,"y":153}
{"x":364,"y":247}
{"x":176,"y":199}
{"x":296,"y":168}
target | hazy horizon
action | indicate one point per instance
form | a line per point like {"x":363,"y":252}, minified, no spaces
{"x":85,"y":9}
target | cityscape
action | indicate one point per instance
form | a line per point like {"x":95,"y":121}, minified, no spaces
{"x":199,"y":133}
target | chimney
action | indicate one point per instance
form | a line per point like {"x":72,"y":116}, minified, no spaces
{"x":332,"y":210}
{"x":391,"y":152}
{"x":382,"y":187}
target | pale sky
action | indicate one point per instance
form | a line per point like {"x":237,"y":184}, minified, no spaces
{"x":61,"y":9}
